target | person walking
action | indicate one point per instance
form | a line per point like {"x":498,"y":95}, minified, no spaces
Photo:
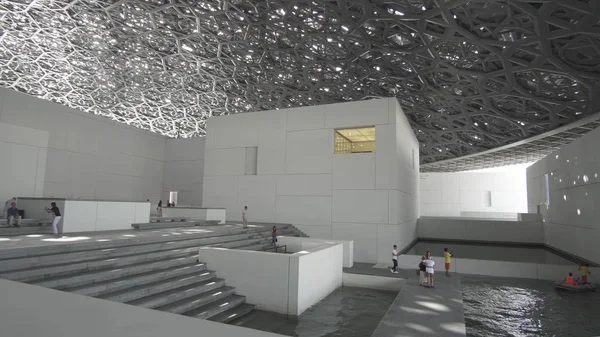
{"x":56,"y":217}
{"x":159,"y":209}
{"x":244,"y":219}
{"x":14,"y":218}
{"x":274,"y":236}
{"x":395,"y":254}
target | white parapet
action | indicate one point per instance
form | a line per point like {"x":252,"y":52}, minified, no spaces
{"x":283,"y":283}
{"x":296,"y":244}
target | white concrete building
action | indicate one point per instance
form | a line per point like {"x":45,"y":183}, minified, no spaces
{"x":282,"y":165}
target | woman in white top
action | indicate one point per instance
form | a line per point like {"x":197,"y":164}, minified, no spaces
{"x":429,"y":269}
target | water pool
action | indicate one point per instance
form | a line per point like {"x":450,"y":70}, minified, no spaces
{"x":346,"y":312}
{"x":516,"y":307}
{"x":490,"y":252}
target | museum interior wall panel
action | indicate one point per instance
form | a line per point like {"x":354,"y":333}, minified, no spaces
{"x":24,"y":151}
{"x":567,"y":188}
{"x":184,"y":170}
{"x":309,"y":152}
{"x":78,"y":140}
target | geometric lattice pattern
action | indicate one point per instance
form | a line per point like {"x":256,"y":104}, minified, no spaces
{"x":471,"y":75}
{"x":527,"y":151}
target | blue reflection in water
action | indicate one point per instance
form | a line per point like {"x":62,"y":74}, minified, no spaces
{"x":516,"y":307}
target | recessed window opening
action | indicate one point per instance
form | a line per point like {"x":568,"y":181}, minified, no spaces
{"x":354,"y":140}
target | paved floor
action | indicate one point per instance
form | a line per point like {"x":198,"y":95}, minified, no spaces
{"x":420,"y":311}
{"x":33,"y":240}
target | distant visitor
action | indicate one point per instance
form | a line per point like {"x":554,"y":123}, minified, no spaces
{"x":56,"y":218}
{"x":7,"y":205}
{"x":244,"y":219}
{"x":274,"y":235}
{"x":447,"y":259}
{"x":395,"y":254}
{"x":14,"y":218}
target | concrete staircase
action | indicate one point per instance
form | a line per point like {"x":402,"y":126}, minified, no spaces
{"x":154,"y":272}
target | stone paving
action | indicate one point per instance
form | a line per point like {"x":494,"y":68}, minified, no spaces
{"x":419,"y":311}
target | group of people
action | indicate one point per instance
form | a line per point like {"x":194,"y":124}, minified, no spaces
{"x":426,"y":267}
{"x":159,"y":207}
{"x":585,"y":272}
{"x":13,"y":215}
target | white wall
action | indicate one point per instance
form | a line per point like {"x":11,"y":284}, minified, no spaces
{"x":369,"y":198}
{"x":23,"y":161}
{"x":480,"y":230}
{"x":282,"y":283}
{"x":87,"y":156}
{"x":296,"y":244}
{"x":463,"y":193}
{"x":184,"y":170}
{"x":572,"y":219}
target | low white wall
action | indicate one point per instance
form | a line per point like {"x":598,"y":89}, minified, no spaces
{"x":296,"y":244}
{"x":537,"y":271}
{"x":319,"y":273}
{"x":200,"y":214}
{"x":93,"y":317}
{"x":89,"y":216}
{"x":489,"y":215}
{"x":480,"y":230}
{"x":373,"y":282}
{"x":282,"y":283}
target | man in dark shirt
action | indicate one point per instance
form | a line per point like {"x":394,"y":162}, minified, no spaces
{"x":14,"y":219}
{"x":56,"y":215}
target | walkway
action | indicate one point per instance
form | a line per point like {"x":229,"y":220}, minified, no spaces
{"x":34,"y":240}
{"x":419,"y":311}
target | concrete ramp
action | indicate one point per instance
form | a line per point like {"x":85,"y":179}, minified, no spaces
{"x":418,"y":311}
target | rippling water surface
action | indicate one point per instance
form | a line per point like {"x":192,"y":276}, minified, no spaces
{"x":517,"y":307}
{"x":346,"y":312}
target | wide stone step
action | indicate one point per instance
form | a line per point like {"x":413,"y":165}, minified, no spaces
{"x":212,"y":309}
{"x":157,"y":299}
{"x":102,"y":253}
{"x":220,"y":233}
{"x":25,"y":230}
{"x":159,"y":225}
{"x":100,"y":275}
{"x":234,"y":313}
{"x":63,"y":270}
{"x":145,"y":294}
{"x":100,"y":288}
{"x":198,"y":301}
{"x":169,"y":219}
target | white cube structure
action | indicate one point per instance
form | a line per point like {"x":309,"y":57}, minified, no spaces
{"x":281,"y":164}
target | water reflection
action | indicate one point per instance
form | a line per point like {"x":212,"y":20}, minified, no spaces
{"x":517,"y":307}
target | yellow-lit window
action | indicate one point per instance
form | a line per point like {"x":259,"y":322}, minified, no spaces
{"x":354,"y":140}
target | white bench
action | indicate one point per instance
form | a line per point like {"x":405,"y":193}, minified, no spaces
{"x":29,"y":222}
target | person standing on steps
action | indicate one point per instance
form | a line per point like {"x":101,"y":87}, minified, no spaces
{"x":56,"y":218}
{"x":244,"y":219}
{"x":395,"y":254}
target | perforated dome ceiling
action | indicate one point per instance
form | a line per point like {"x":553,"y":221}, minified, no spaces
{"x":471,"y":75}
